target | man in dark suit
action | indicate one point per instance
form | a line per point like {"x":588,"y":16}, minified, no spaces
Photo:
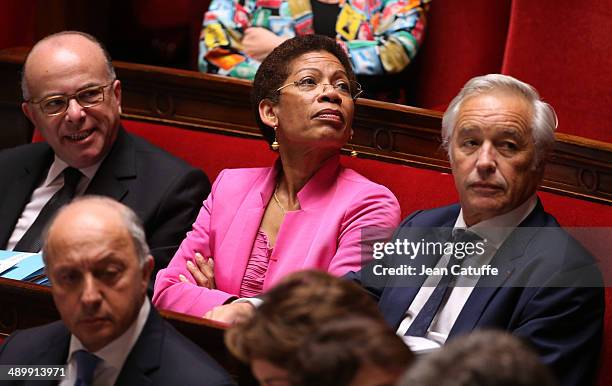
{"x":98,"y":261}
{"x":540,"y":284}
{"x":74,"y":99}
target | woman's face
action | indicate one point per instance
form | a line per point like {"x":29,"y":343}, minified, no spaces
{"x":321,"y":117}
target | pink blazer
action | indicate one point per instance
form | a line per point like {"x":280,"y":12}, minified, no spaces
{"x":326,"y":233}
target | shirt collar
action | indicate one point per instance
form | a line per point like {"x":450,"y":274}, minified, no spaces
{"x":58,"y":166}
{"x":496,"y":229}
{"x":115,"y":353}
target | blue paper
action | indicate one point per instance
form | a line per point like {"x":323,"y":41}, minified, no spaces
{"x":26,"y":268}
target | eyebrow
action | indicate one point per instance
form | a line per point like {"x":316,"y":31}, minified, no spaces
{"x":468,"y":130}
{"x":503,"y":131}
{"x":63,"y":268}
{"x":510,"y":131}
{"x":109,"y":259}
{"x":319,"y":71}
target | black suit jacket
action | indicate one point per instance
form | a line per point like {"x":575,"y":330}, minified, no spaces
{"x":548,"y":292}
{"x":164,"y":191}
{"x":160,"y":356}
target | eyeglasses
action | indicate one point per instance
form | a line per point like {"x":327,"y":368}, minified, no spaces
{"x":345,"y":87}
{"x":58,"y":104}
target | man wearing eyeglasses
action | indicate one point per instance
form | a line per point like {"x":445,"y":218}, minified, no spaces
{"x":73,"y":98}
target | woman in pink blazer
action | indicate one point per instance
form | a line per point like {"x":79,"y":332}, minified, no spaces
{"x":307,"y":211}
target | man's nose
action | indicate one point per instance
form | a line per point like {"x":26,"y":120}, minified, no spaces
{"x":90,"y":296}
{"x":75,"y":112}
{"x":486,"y":162}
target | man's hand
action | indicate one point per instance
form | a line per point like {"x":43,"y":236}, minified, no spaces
{"x":202,"y":272}
{"x":231,"y":313}
{"x":259,"y":42}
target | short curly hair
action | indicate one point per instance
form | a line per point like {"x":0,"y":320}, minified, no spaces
{"x":338,"y":349}
{"x":484,"y":357}
{"x":274,"y":70}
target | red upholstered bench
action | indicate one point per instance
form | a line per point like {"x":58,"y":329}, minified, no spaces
{"x":414,"y":188}
{"x":215,"y":152}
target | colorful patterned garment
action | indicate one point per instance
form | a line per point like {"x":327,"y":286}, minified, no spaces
{"x":380,"y":36}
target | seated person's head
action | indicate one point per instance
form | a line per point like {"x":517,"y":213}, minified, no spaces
{"x":71,"y":95}
{"x":291,"y":312}
{"x":498,"y":133}
{"x":354,"y":351}
{"x":482,"y":358}
{"x":98,"y":262}
{"x":304,"y":92}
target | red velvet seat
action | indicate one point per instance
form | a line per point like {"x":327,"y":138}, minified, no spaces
{"x":17,"y":23}
{"x":463,"y":39}
{"x":215,"y":152}
{"x":564,"y":50}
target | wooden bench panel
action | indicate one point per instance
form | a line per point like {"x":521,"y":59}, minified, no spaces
{"x":388,"y":132}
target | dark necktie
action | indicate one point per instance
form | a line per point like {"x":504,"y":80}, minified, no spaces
{"x":31,"y":240}
{"x":86,"y":365}
{"x":423,"y":320}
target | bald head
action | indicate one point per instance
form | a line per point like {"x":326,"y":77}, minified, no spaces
{"x":95,"y":213}
{"x":72,"y":97}
{"x":98,"y":281}
{"x":66,"y":42}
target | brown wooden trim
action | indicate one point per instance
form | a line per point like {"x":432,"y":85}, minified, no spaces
{"x":24,"y":305}
{"x":579,"y":167}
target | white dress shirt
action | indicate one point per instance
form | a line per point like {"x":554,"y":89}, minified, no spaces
{"x":494,"y":232}
{"x":44,"y":192}
{"x":112,"y":356}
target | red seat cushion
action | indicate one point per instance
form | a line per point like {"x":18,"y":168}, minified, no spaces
{"x":17,"y":25}
{"x":564,"y":52}
{"x":207,"y":151}
{"x":463,"y":39}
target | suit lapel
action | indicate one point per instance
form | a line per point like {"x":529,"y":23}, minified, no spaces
{"x":240,"y":235}
{"x":117,"y":169}
{"x":479,"y":299}
{"x":246,"y":226}
{"x":54,"y":351}
{"x":145,"y":356}
{"x":508,"y":259}
{"x":19,"y":191}
{"x":395,"y":302}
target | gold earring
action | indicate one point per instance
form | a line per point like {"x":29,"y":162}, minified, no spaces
{"x":275,"y":144}
{"x":353,"y":151}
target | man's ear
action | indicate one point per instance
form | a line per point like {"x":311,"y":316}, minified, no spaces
{"x":147,"y":269}
{"x":116,"y":89}
{"x":25,"y":107}
{"x":267,"y":113}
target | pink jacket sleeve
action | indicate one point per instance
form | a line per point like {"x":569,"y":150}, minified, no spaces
{"x":171,"y":293}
